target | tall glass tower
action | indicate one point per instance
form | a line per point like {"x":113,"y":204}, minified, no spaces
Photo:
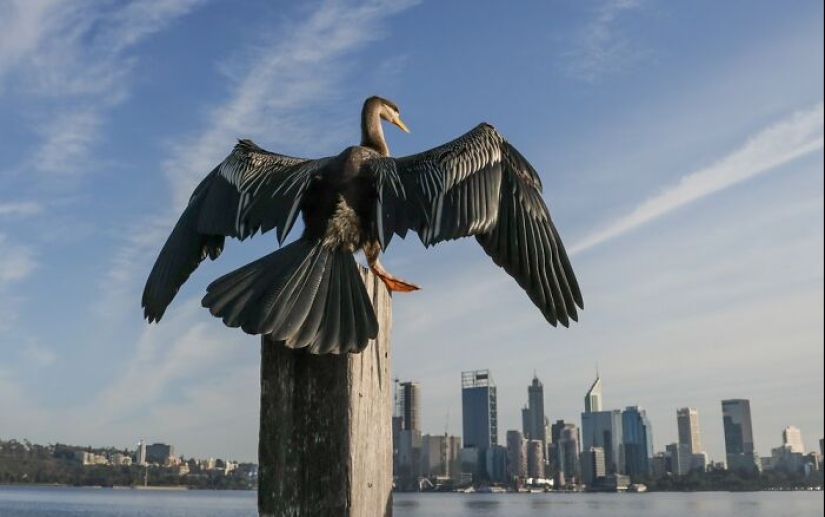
{"x":736,"y":417}
{"x":637,"y":436}
{"x":533,"y":415}
{"x":593,"y":398}
{"x":479,"y":409}
{"x":687,"y":419}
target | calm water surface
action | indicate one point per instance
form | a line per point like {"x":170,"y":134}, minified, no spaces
{"x":63,"y":502}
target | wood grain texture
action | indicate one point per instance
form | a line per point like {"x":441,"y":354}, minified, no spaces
{"x":325,"y":444}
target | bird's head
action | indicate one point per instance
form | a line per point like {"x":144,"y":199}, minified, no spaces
{"x":387,"y":110}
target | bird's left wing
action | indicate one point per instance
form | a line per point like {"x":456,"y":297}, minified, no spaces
{"x":480,"y":185}
{"x":251,"y":190}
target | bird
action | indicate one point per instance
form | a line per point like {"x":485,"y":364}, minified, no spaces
{"x":308,"y":294}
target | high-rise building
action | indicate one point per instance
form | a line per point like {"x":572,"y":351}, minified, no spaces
{"x":567,"y":453}
{"x":637,"y":439}
{"x":792,"y":438}
{"x":603,"y":429}
{"x":592,"y":463}
{"x":479,"y":409}
{"x":516,"y":455}
{"x":439,"y":455}
{"x":739,"y":449}
{"x":140,"y":456}
{"x":409,"y":405}
{"x":681,"y":460}
{"x":593,"y":397}
{"x":535,"y":458}
{"x":533,"y":415}
{"x":687,"y":419}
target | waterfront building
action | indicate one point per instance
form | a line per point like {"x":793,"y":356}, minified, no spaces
{"x":439,"y":455}
{"x":495,"y":459}
{"x":567,"y":453}
{"x":479,"y":409}
{"x":681,"y":460}
{"x":593,"y":465}
{"x":141,"y":453}
{"x":409,"y":405}
{"x":687,"y":420}
{"x":535,"y":459}
{"x":409,"y":454}
{"x":603,"y":429}
{"x":593,"y":397}
{"x":159,"y":453}
{"x":516,"y":455}
{"x":637,"y":440}
{"x":739,"y":448}
{"x":792,"y":437}
{"x":533,"y":420}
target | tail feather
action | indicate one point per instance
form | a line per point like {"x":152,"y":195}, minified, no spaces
{"x":303,"y":294}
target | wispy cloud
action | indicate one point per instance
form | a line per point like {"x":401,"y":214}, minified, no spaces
{"x":20,"y":208}
{"x":74,"y":59}
{"x":796,"y":136}
{"x":602,"y":47}
{"x":16,"y":261}
{"x":285,"y":74}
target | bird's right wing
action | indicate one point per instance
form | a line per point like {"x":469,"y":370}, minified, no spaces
{"x":251,"y":190}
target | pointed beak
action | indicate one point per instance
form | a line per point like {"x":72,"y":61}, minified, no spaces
{"x":397,"y":122}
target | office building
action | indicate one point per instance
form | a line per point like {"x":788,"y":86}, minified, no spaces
{"x":533,"y":420}
{"x":637,"y":440}
{"x":681,"y":460}
{"x":603,"y":430}
{"x":409,"y":405}
{"x":592,"y":464}
{"x":479,"y":409}
{"x":687,"y":420}
{"x":566,"y":445}
{"x":516,"y":455}
{"x":593,"y":397}
{"x":739,"y":448}
{"x":535,"y":459}
{"x":792,"y":438}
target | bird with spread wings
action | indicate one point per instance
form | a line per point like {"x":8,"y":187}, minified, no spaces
{"x":309,"y":293}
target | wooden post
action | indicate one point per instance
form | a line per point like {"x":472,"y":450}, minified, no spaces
{"x":325,"y":443}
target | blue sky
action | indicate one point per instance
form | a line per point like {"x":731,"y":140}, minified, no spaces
{"x":680,"y":145}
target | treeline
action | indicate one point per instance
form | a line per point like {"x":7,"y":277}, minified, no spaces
{"x":735,"y":481}
{"x":26,"y":463}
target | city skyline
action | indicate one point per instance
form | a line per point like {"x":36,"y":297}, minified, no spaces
{"x":679,"y":145}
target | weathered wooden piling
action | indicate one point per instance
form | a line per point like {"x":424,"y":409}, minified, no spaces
{"x":325,"y":444}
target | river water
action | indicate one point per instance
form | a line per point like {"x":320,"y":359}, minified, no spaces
{"x":64,"y":502}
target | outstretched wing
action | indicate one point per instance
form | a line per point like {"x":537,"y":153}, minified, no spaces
{"x":251,"y":190}
{"x":481,"y":185}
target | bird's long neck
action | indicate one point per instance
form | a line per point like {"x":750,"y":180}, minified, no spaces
{"x":372,"y":135}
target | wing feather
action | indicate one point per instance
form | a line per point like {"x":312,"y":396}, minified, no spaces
{"x":480,"y":185}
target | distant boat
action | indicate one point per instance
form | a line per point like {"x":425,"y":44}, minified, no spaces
{"x":637,"y":488}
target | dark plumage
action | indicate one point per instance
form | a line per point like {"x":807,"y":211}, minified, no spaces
{"x":309,"y":293}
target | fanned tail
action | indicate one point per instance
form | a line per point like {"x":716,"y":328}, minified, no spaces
{"x":303,"y":294}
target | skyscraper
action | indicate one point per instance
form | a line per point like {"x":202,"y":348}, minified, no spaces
{"x":567,"y":452}
{"x":479,"y":409}
{"x":792,"y":438}
{"x":409,"y":405}
{"x":593,"y":398}
{"x":592,"y":465}
{"x":687,"y":419}
{"x":603,"y":430}
{"x":637,"y":439}
{"x":533,"y":420}
{"x":516,"y":455}
{"x":739,"y":449}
